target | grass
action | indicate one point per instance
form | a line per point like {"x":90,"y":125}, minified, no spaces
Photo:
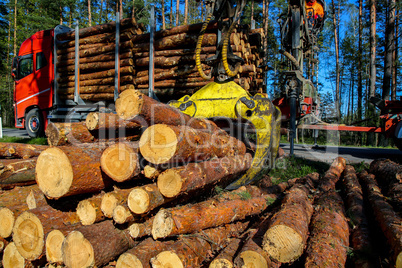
{"x":295,"y":167}
{"x":39,"y":141}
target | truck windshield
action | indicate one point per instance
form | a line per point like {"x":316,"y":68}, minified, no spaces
{"x":25,"y":66}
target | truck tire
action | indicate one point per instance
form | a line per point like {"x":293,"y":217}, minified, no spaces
{"x":398,"y":143}
{"x":34,"y":123}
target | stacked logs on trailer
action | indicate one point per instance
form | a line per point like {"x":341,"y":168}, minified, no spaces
{"x":175,"y":73}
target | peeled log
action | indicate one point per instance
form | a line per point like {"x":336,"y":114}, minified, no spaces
{"x":193,"y":176}
{"x":145,"y":198}
{"x":193,"y":251}
{"x":329,"y":237}
{"x":17,"y":172}
{"x":68,"y":170}
{"x":31,"y":228}
{"x":140,"y":255}
{"x":20,"y":150}
{"x":385,"y":216}
{"x":287,"y":235}
{"x":95,"y":245}
{"x":112,"y":199}
{"x":333,"y":174}
{"x":120,"y":162}
{"x":132,"y":105}
{"x":360,"y":233}
{"x":89,"y":210}
{"x":96,"y":121}
{"x":160,"y":144}
{"x":210,"y":213}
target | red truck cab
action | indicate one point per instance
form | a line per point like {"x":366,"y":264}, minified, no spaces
{"x":33,"y":73}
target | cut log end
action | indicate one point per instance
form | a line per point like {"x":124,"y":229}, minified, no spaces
{"x":7,"y":220}
{"x":221,"y":263}
{"x":129,"y":104}
{"x":86,"y":212}
{"x":150,"y":172}
{"x":31,"y":201}
{"x":77,"y":251}
{"x":398,"y":262}
{"x":170,"y":183}
{"x":54,"y":173}
{"x":121,"y":214}
{"x":253,"y":259}
{"x":54,"y":240}
{"x":162,"y":225}
{"x":167,"y":259}
{"x":12,"y":258}
{"x":28,"y":235}
{"x":120,"y":162}
{"x":283,"y":243}
{"x":128,"y":260}
{"x":92,"y":121}
{"x":108,"y":204}
{"x":138,"y":201}
{"x":158,"y":144}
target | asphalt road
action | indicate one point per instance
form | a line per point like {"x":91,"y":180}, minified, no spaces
{"x":15,"y":132}
{"x":351,"y":154}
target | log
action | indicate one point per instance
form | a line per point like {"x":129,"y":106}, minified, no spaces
{"x":126,"y":70}
{"x":177,"y":52}
{"x":69,"y":170}
{"x":89,"y":210}
{"x":192,"y":251}
{"x":59,"y":134}
{"x":286,"y":237}
{"x":226,"y":256}
{"x":96,"y":121}
{"x":99,"y":58}
{"x":329,"y":238}
{"x":122,"y":214}
{"x":132,"y":104}
{"x":210,"y":213}
{"x":20,"y":150}
{"x":31,"y":228}
{"x":95,"y":245}
{"x":195,"y":176}
{"x":112,"y":199}
{"x":173,"y":84}
{"x":96,"y":89}
{"x":145,"y":198}
{"x":120,"y":162}
{"x":18,"y":172}
{"x":151,"y":172}
{"x":12,"y":258}
{"x":30,"y":196}
{"x":333,"y":174}
{"x":92,"y":51}
{"x":385,"y":216}
{"x":91,"y":66}
{"x":140,"y":255}
{"x":169,"y":61}
{"x":252,"y":255}
{"x":99,"y":39}
{"x":178,"y":71}
{"x":97,"y":82}
{"x":139,"y":230}
{"x":90,"y":97}
{"x":161,"y":144}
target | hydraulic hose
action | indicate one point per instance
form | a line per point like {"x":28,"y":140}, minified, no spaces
{"x":198,"y":49}
{"x":225,"y":53}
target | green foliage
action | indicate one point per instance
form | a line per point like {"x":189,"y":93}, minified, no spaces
{"x":39,"y":141}
{"x":359,"y":167}
{"x":270,"y":200}
{"x":245,"y":195}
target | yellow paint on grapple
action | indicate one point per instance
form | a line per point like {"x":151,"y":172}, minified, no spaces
{"x":230,"y":100}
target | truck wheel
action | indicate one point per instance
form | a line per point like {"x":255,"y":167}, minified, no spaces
{"x":34,"y":123}
{"x":398,"y":143}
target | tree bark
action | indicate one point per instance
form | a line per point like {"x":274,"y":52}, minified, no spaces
{"x":89,"y":14}
{"x":17,"y":172}
{"x":65,"y":54}
{"x":112,"y":199}
{"x":96,"y":121}
{"x":196,"y":176}
{"x":185,"y":12}
{"x":163,"y":15}
{"x":360,"y":64}
{"x":89,"y":210}
{"x":86,"y":247}
{"x":210,"y":213}
{"x":30,"y":196}
{"x":122,"y":214}
{"x":161,"y":144}
{"x":333,"y":174}
{"x":337,"y":68}
{"x":59,"y":134}
{"x":395,"y":58}
{"x":163,"y":62}
{"x":20,"y":150}
{"x":385,"y":216}
{"x":372,"y":82}
{"x":145,"y":198}
{"x":389,"y":49}
{"x":329,"y":236}
{"x":192,"y":251}
{"x":177,"y":12}
{"x":31,"y":228}
{"x":127,"y":70}
{"x":69,"y":170}
{"x":92,"y":66}
{"x":98,"y":58}
{"x":139,"y":230}
{"x":226,"y":256}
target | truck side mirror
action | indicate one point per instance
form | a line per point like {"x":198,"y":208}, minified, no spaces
{"x":14,"y":68}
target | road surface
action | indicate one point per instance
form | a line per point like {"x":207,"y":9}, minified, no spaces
{"x":351,"y":154}
{"x":15,"y":132}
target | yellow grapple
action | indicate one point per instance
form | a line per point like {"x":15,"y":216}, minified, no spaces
{"x":228,"y":99}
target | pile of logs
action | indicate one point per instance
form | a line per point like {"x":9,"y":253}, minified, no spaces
{"x":152,"y":200}
{"x":175,"y":73}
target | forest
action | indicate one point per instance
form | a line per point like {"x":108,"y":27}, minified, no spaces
{"x":359,"y":52}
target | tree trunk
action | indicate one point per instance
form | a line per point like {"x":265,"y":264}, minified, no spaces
{"x":141,"y":255}
{"x":210,"y":213}
{"x":120,"y":162}
{"x":15,"y":30}
{"x":192,"y":251}
{"x":360,"y":234}
{"x":196,"y":176}
{"x":31,"y":228}
{"x":86,"y":247}
{"x":177,"y":12}
{"x":185,"y":12}
{"x":360,"y":64}
{"x":89,"y":14}
{"x":160,"y":144}
{"x":329,"y":236}
{"x":68,"y":170}
{"x":20,"y":150}
{"x":286,"y":237}
{"x":395,"y":59}
{"x":89,"y":210}
{"x":171,"y":14}
{"x":385,"y":216}
{"x":17,"y":173}
{"x":333,"y":174}
{"x":145,"y":198}
{"x":112,"y":199}
{"x":371,"y":109}
{"x":337,"y":68}
{"x":389,"y":49}
{"x":163,"y":15}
